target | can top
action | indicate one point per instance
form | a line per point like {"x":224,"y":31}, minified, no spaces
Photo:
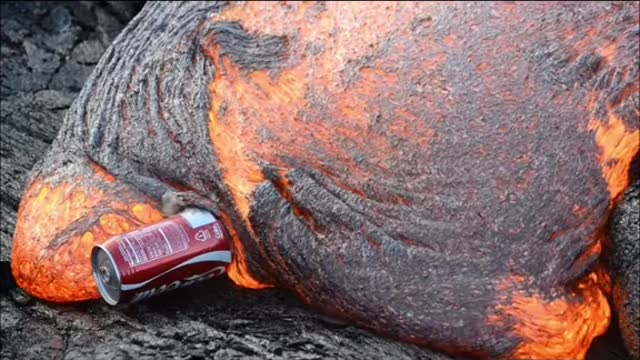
{"x":106,"y":274}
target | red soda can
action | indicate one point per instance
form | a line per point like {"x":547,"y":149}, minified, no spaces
{"x":179,"y":251}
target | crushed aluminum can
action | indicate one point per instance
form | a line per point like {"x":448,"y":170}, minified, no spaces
{"x":184,"y":249}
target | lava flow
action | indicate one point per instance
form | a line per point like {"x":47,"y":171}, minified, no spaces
{"x":562,"y":328}
{"x":61,"y":219}
{"x":438,"y":173}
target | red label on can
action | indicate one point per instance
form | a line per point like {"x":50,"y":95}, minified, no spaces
{"x":143,"y":247}
{"x":177,"y":252}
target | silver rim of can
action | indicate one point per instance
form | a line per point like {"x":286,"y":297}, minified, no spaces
{"x":106,"y":274}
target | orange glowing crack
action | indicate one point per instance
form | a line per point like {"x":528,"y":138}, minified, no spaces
{"x":618,"y":146}
{"x":238,"y":271}
{"x":559,"y":329}
{"x":241,"y":174}
{"x":246,"y":105}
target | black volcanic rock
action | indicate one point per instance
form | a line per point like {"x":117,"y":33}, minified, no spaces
{"x":625,"y":267}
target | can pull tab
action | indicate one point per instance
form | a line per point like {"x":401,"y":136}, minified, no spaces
{"x":197,"y":217}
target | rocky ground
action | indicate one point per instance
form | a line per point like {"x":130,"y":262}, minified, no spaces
{"x":48,"y":49}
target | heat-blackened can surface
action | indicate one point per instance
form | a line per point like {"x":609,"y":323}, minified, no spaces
{"x":179,"y":251}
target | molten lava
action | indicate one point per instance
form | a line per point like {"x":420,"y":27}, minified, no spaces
{"x":241,"y":174}
{"x":560,"y":328}
{"x":618,"y":146}
{"x":56,"y":224}
{"x":447,"y":153}
{"x":238,"y":271}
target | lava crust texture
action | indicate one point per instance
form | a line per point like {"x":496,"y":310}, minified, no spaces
{"x":440,"y":173}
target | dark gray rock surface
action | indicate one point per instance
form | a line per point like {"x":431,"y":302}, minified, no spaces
{"x":214,"y":320}
{"x":625,"y":267}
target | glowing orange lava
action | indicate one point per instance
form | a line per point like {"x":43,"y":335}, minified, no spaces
{"x":238,"y":271}
{"x":562,"y":328}
{"x":618,"y":145}
{"x":241,"y":174}
{"x":247,"y":104}
{"x":52,"y":243}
